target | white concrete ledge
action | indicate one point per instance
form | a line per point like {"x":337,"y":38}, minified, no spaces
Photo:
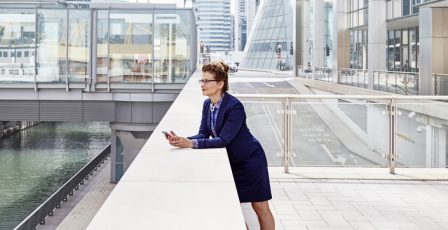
{"x":170,"y":188}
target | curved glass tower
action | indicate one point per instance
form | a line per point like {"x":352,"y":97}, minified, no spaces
{"x":271,"y":40}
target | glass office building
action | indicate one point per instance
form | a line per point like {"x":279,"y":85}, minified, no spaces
{"x":404,"y":36}
{"x":214,"y":23}
{"x":270,"y":45}
{"x":96,"y":45}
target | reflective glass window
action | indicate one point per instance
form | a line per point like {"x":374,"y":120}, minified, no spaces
{"x":51,"y":45}
{"x":79,"y":45}
{"x":130,"y":48}
{"x":17,"y":34}
{"x":172,"y":55}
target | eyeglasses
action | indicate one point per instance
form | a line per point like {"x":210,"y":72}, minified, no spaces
{"x":205,"y":81}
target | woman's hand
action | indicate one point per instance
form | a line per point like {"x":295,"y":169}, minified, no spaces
{"x":180,"y":142}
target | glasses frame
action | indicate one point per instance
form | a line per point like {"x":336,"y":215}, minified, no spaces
{"x":205,"y":81}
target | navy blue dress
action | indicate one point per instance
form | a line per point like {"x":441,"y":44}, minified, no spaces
{"x":246,"y":156}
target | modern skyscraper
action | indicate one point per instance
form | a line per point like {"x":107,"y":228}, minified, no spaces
{"x":252,"y":7}
{"x":214,"y":23}
{"x":270,"y":44}
{"x":240,"y":25}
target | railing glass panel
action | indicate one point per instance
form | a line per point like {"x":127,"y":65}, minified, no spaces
{"x":353,"y":77}
{"x":337,"y":132}
{"x":264,"y":119}
{"x":422,"y":134}
{"x":396,"y":82}
{"x":441,"y":84}
{"x":329,"y":132}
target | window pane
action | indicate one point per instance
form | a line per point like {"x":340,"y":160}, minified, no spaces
{"x":130,"y":46}
{"x":78,"y":52}
{"x":51,"y":45}
{"x":17,"y":34}
{"x":101,"y":47}
{"x":172,"y":33}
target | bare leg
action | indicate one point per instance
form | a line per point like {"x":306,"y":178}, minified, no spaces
{"x":264,"y":214}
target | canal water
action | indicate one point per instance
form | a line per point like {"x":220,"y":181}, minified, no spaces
{"x":35,"y":162}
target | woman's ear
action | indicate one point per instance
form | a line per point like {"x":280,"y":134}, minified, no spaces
{"x":221,"y":85}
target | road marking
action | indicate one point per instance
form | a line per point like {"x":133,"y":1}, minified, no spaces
{"x":338,"y":158}
{"x":269,"y":85}
{"x":353,"y":158}
{"x":273,"y":125}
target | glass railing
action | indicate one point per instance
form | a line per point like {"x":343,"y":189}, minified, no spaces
{"x":440,"y":84}
{"x":316,"y":73}
{"x":406,"y":83}
{"x":396,"y":82}
{"x":349,"y":130}
{"x":353,"y":77}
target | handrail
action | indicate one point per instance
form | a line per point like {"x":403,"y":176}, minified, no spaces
{"x":304,"y":96}
{"x":400,"y":72}
{"x":54,"y":201}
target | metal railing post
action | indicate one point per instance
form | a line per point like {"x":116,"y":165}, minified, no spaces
{"x":392,"y":127}
{"x":435,"y":84}
{"x":285,"y":135}
{"x":289,"y":133}
{"x":387,"y":81}
{"x":287,"y":129}
{"x":357,"y":78}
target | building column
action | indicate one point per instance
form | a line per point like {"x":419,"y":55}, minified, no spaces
{"x":433,"y":46}
{"x":306,"y":43}
{"x":126,"y":142}
{"x":341,"y":40}
{"x":319,"y":28}
{"x":377,"y":36}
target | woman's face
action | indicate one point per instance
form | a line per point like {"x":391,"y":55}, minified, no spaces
{"x":213,"y":87}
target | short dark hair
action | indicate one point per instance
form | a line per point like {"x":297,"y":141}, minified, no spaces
{"x":220,"y":70}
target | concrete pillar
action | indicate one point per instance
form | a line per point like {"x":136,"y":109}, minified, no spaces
{"x":341,"y":40}
{"x":377,"y":36}
{"x":297,"y":43}
{"x":433,"y":37}
{"x":319,"y":27}
{"x":305,"y":50}
{"x":126,"y":142}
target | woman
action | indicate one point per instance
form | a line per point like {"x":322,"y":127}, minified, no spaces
{"x":224,"y":120}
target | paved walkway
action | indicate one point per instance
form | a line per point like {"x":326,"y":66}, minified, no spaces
{"x":391,"y":203}
{"x":80,"y":208}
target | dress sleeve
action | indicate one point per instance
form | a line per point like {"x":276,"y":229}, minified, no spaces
{"x":231,"y":126}
{"x":203,"y":131}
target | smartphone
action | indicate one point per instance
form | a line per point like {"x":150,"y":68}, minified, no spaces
{"x":166,"y":133}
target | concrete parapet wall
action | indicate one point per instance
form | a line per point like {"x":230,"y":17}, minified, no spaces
{"x":171,"y":188}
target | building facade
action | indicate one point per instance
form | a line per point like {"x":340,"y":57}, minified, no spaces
{"x":56,"y":44}
{"x":392,"y":35}
{"x":240,"y":25}
{"x":214,"y":23}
